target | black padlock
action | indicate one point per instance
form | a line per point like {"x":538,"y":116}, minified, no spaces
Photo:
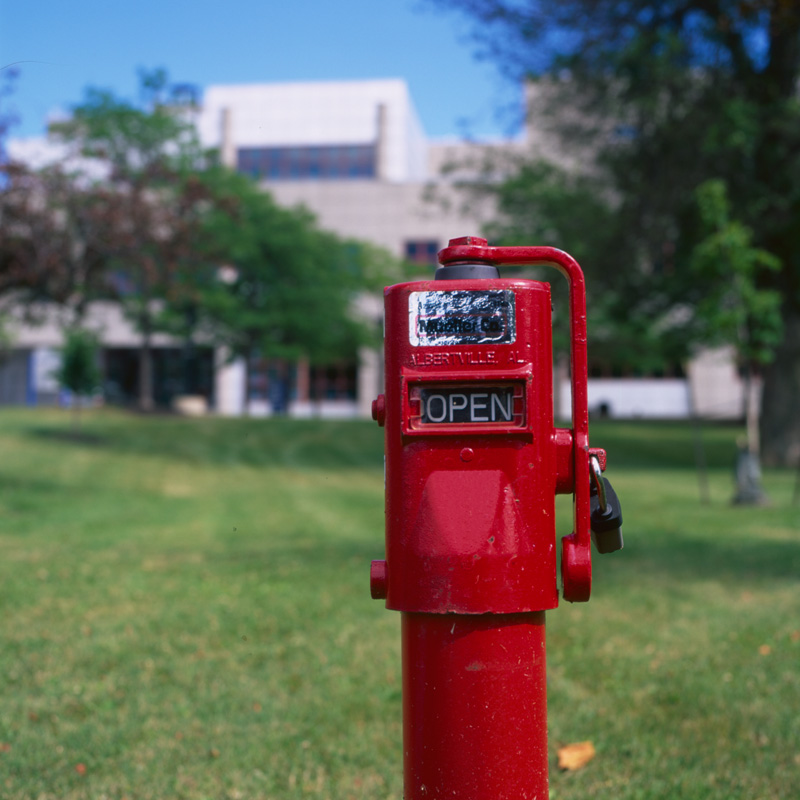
{"x":606,"y":518}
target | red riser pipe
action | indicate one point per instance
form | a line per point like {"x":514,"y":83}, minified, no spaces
{"x":474,"y":706}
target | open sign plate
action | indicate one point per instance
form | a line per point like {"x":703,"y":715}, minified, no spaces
{"x":479,"y":404}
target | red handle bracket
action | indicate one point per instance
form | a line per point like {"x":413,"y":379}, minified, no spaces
{"x":576,"y":560}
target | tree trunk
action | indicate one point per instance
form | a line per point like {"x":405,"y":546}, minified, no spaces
{"x":749,"y":490}
{"x":780,"y":409}
{"x":752,"y":406}
{"x":247,"y":383}
{"x":146,"y":402}
{"x":76,"y":413}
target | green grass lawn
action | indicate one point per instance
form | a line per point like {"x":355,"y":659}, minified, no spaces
{"x":186,"y":614}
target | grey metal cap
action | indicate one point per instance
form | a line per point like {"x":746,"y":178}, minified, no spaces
{"x":456,"y":272}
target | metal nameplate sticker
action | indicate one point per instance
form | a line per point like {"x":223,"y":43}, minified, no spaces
{"x":444,"y":319}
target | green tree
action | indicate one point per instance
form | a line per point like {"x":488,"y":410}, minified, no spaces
{"x":79,"y":372}
{"x":541,"y":202}
{"x":145,"y":156}
{"x":652,"y":99}
{"x":286,"y":289}
{"x":735,"y":310}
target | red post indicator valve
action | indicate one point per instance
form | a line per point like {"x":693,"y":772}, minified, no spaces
{"x":473,"y":464}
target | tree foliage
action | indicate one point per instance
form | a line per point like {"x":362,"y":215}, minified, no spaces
{"x":288,"y":289}
{"x":144,"y":155}
{"x":653,"y":99}
{"x":79,"y":372}
{"x":735,"y":310}
{"x":57,"y":237}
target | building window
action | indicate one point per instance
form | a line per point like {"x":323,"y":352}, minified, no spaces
{"x":422,"y":252}
{"x":325,"y":162}
{"x":272,"y":380}
{"x":336,"y":382}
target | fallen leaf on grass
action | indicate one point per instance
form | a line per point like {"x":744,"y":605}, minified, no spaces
{"x":575,"y":756}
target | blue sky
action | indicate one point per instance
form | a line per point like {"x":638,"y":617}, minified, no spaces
{"x":71,"y":44}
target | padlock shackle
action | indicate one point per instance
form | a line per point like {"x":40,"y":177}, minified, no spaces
{"x":576,"y":565}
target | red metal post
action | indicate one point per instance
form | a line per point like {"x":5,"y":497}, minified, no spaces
{"x":473,"y":464}
{"x":474,"y":706}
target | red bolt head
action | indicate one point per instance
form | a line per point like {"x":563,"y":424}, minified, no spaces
{"x":474,"y":241}
{"x":379,"y":410}
{"x":378,"y":580}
